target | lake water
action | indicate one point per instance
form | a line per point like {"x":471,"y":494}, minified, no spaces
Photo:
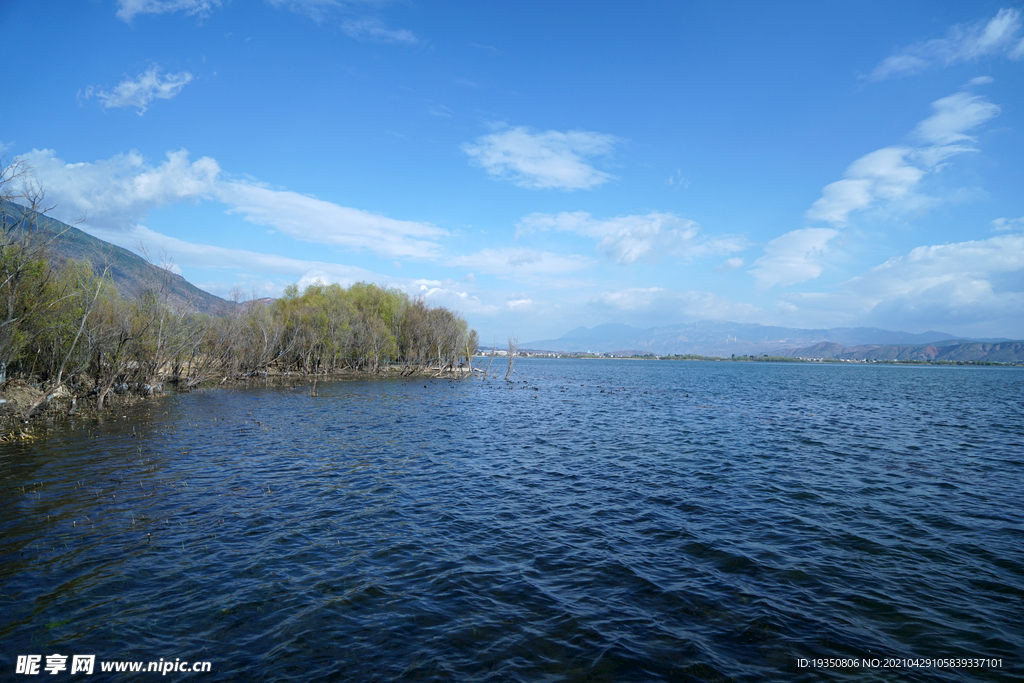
{"x":595,"y":520}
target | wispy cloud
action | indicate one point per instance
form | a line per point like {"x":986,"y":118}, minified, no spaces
{"x":520,"y":263}
{"x":374,"y":30}
{"x":490,"y":48}
{"x":1005,"y":224}
{"x":439,"y":110}
{"x":677,"y":180}
{"x":953,"y":117}
{"x":140,"y":91}
{"x":882,"y":174}
{"x":119,"y":192}
{"x":314,"y":220}
{"x":793,"y":258}
{"x":207,"y":256}
{"x":268,"y":274}
{"x":450,"y":295}
{"x":314,"y":9}
{"x":628,"y":239}
{"x":996,"y":37}
{"x":128,"y":9}
{"x":730,"y":264}
{"x":551,"y":159}
{"x":890,"y":174}
{"x":670,"y":304}
{"x":361,"y":28}
{"x":631,"y":298}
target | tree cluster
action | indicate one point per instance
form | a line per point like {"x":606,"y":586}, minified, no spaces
{"x":65,"y":324}
{"x":328,"y":328}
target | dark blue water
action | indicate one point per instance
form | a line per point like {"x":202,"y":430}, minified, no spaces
{"x":595,"y":520}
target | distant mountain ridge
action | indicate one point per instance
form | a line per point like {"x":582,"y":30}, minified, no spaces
{"x":954,"y":350}
{"x":723,"y":338}
{"x":130,"y":273}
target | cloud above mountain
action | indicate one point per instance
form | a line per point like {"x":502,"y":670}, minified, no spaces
{"x":636,"y":238}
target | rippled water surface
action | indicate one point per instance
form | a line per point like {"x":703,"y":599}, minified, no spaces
{"x":594,"y":520}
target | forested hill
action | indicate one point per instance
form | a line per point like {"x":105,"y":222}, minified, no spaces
{"x":131,"y":274}
{"x":952,"y":350}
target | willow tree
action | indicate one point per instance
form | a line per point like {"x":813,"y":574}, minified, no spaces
{"x":24,"y":269}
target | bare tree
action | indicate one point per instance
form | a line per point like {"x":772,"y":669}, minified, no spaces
{"x":116,"y":330}
{"x":494,"y":352}
{"x":90,"y":303}
{"x":513,"y":349}
{"x":471,"y":341}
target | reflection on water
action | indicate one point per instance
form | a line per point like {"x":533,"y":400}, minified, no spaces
{"x":600,"y":520}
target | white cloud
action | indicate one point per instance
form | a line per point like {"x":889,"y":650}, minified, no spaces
{"x":360,"y":28}
{"x":881,"y":174}
{"x":374,"y":30}
{"x":193,"y":255}
{"x":511,"y":262}
{"x":321,"y":222}
{"x":439,"y":110}
{"x":630,"y":299}
{"x":793,"y":258}
{"x":973,"y":287}
{"x":519,"y":303}
{"x":953,"y":117}
{"x":543,"y":160}
{"x":140,"y":91}
{"x":925,"y":267}
{"x":447,"y":295}
{"x":117,"y":193}
{"x":1004,"y":224}
{"x":315,"y":9}
{"x":996,"y":37}
{"x":127,"y":9}
{"x":366,"y":28}
{"x":890,"y":174}
{"x":677,"y":180}
{"x":628,"y":239}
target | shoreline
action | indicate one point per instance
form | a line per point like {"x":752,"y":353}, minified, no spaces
{"x":24,"y":405}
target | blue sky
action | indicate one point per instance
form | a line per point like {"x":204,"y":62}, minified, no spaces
{"x":541,"y":166}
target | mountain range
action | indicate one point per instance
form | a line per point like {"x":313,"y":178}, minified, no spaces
{"x":951,"y":350}
{"x":724,"y":339}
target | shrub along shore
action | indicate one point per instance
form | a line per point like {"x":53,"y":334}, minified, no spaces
{"x":70,"y":343}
